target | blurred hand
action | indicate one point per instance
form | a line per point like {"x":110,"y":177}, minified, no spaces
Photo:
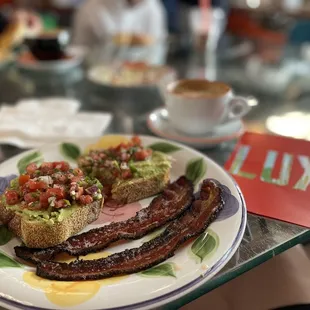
{"x":30,"y":20}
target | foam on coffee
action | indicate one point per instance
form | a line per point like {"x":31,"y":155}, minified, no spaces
{"x":200,"y":88}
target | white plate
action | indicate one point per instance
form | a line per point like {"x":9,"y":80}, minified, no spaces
{"x":180,"y":275}
{"x":158,"y":123}
{"x":56,"y":66}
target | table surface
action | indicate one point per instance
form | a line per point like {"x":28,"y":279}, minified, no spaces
{"x":264,"y":237}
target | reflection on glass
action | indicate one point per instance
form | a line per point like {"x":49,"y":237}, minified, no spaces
{"x":253,"y":4}
{"x":293,"y":124}
{"x":252,"y":101}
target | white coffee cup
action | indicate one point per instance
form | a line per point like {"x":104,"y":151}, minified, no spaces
{"x":196,"y":107}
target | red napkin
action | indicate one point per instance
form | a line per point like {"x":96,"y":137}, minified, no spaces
{"x":274,"y":175}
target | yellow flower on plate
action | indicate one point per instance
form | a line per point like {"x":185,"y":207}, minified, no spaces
{"x":64,"y":294}
{"x":69,"y":294}
{"x":107,"y":142}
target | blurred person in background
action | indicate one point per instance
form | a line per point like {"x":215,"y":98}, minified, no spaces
{"x":172,"y":9}
{"x":15,"y":25}
{"x":64,"y":10}
{"x":223,"y":4}
{"x":18,"y":13}
{"x":193,"y":24}
{"x":66,"y":3}
{"x":97,"y":20}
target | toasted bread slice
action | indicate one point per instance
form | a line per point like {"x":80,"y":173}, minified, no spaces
{"x":40,"y":234}
{"x":140,"y":188}
{"x":148,"y":176}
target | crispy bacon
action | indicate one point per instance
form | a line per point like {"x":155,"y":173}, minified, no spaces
{"x":175,"y":199}
{"x":192,"y":223}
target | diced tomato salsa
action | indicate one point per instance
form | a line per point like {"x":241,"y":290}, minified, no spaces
{"x":115,"y":163}
{"x":53,"y":185}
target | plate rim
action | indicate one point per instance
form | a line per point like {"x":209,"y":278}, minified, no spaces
{"x":192,"y":140}
{"x":154,"y":85}
{"x":188,"y":288}
{"x":53,"y":66}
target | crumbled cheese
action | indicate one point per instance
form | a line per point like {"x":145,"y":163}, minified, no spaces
{"x":46,"y":179}
{"x":51,"y":201}
{"x":124,"y":166}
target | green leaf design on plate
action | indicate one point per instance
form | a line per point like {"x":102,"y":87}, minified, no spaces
{"x":205,"y":245}
{"x":70,"y":150}
{"x":6,"y":261}
{"x":163,"y":270}
{"x":196,"y":169}
{"x":5,"y":235}
{"x":35,"y":157}
{"x":164,"y":147}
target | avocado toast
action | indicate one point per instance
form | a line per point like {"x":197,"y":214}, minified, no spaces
{"x":50,"y":203}
{"x":129,"y":172}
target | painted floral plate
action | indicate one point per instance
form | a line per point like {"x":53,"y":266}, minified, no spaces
{"x":193,"y":265}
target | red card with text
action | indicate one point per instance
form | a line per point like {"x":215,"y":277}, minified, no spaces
{"x":273,"y":173}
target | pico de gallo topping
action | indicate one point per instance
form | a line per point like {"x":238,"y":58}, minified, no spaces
{"x":51,"y":186}
{"x":115,"y":163}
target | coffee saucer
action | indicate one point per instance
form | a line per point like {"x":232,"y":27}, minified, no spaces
{"x":74,"y":56}
{"x":158,"y":123}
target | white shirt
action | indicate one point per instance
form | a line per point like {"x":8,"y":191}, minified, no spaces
{"x":96,"y":20}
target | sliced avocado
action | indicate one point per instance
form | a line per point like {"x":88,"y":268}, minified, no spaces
{"x":44,"y":215}
{"x":157,"y":164}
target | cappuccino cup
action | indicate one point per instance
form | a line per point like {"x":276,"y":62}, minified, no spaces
{"x":196,"y":107}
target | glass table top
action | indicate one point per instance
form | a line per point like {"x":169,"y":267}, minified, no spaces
{"x":264,"y":238}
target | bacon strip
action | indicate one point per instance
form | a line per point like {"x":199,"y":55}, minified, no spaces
{"x":175,"y":199}
{"x":192,"y":223}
